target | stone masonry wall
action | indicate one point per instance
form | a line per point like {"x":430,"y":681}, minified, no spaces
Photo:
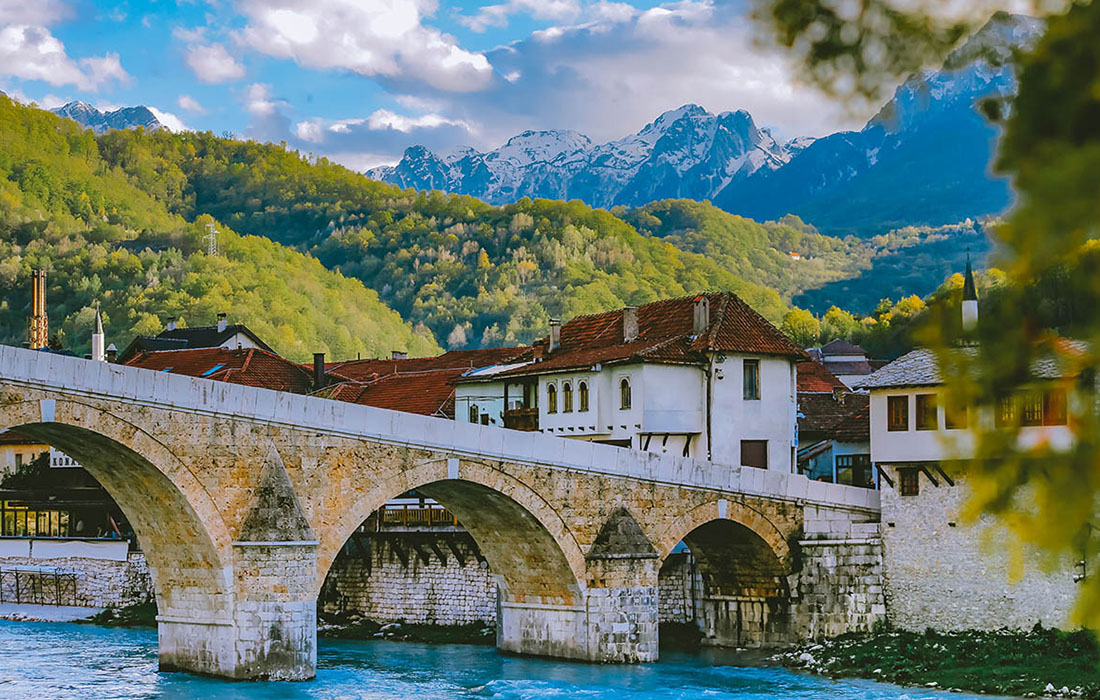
{"x":943,"y":573}
{"x":100,"y":583}
{"x":676,"y":597}
{"x":390,"y":590}
{"x":839,"y":586}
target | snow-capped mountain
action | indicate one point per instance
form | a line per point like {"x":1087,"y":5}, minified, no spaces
{"x":685,"y":152}
{"x":923,"y":159}
{"x":101,"y":122}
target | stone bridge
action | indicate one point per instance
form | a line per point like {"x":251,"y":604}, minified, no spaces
{"x":241,"y":498}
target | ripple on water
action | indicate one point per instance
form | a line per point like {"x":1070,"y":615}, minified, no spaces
{"x":42,"y":661}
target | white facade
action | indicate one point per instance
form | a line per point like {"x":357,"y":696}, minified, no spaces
{"x":942,"y":443}
{"x":667,"y":411}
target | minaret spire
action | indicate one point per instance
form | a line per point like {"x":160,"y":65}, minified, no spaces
{"x":99,"y":352}
{"x":970,"y":298}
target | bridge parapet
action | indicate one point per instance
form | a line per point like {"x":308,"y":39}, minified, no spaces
{"x":79,"y":377}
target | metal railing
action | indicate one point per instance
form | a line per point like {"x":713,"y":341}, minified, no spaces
{"x":38,"y":585}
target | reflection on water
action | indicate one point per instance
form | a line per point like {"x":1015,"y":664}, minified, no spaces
{"x":52,"y":661}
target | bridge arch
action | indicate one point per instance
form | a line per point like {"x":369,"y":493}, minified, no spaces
{"x":186,"y":543}
{"x":735,"y":574}
{"x":528,"y":545}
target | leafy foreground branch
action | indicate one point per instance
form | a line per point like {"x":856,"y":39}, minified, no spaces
{"x":1042,"y":662}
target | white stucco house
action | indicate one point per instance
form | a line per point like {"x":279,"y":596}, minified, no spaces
{"x":698,"y":376}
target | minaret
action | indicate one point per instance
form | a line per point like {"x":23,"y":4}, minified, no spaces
{"x":970,"y":299}
{"x":99,"y":352}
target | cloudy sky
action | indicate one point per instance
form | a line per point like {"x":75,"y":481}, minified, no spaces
{"x":360,"y":80}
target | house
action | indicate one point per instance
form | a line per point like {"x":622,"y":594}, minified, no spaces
{"x":833,"y":429}
{"x":848,"y":362}
{"x":248,"y":366}
{"x":221,"y":335}
{"x":702,"y":376}
{"x":940,"y":571}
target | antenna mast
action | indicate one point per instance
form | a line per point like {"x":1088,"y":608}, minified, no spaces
{"x":211,"y":239}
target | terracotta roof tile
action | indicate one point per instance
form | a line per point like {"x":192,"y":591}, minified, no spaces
{"x":816,"y":378}
{"x":822,"y":414}
{"x":665,"y":334}
{"x":247,"y":366}
{"x":370,"y":369}
{"x":429,"y":393}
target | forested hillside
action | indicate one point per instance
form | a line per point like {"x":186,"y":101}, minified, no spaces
{"x":475,"y":274}
{"x":105,"y":238}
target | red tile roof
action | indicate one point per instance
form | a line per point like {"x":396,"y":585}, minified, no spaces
{"x":665,"y":334}
{"x":814,"y":377}
{"x":429,"y":393}
{"x":371,"y":369}
{"x":824,"y":417}
{"x":250,"y":367}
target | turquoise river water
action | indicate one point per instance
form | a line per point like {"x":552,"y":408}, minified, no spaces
{"x":78,"y":662}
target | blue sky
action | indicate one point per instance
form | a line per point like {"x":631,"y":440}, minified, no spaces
{"x":360,"y":80}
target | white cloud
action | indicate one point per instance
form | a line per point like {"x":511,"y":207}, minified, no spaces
{"x":497,"y":15}
{"x":212,"y":63}
{"x":40,"y":12}
{"x":190,"y":104}
{"x":31,"y":52}
{"x":258,"y":100}
{"x":170,"y":120}
{"x":376,"y":38}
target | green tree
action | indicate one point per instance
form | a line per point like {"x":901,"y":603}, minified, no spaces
{"x":801,"y":326}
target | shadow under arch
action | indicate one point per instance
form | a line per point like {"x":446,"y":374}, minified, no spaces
{"x":532,"y":555}
{"x":186,"y":544}
{"x":734,"y":576}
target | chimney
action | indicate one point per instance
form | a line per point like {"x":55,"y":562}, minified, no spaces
{"x":112,"y":353}
{"x":701,"y":315}
{"x":171,"y":323}
{"x":630,"y":324}
{"x":839,"y":394}
{"x":99,"y":352}
{"x":40,"y":324}
{"x":221,"y":323}
{"x":318,"y":370}
{"x":970,"y":299}
{"x":555,"y":334}
{"x":398,"y":355}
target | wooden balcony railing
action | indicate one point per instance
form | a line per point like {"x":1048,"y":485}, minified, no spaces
{"x":411,"y":515}
{"x":522,"y":419}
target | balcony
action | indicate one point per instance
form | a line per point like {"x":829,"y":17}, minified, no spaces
{"x":522,"y":419}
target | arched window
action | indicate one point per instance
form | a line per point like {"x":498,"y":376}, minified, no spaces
{"x":566,"y":398}
{"x":582,"y":392}
{"x":624,"y":393}
{"x":551,"y":398}
{"x":474,"y":413}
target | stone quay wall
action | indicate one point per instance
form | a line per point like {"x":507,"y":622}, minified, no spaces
{"x":100,"y":583}
{"x":677,"y":598}
{"x":943,"y":573}
{"x":397,"y":585}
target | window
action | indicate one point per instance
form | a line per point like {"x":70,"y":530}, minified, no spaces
{"x":18,"y":459}
{"x":909,"y":482}
{"x":854,"y":470}
{"x":754,"y":453}
{"x":751,"y":380}
{"x":1006,"y":412}
{"x":1054,"y":407}
{"x":551,"y":398}
{"x":473,"y":413}
{"x":927,"y":418}
{"x":485,"y":419}
{"x":212,"y":370}
{"x":582,"y":395}
{"x":955,"y":414}
{"x":897,"y":413}
{"x":1031,"y":409}
{"x":567,"y":397}
{"x":624,"y":393}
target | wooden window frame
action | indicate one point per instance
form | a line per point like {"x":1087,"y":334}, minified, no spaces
{"x":750,"y":381}
{"x":908,"y":481}
{"x":626,"y":394}
{"x":927,"y":410}
{"x":566,"y":397}
{"x":956,"y":415}
{"x":582,"y":396}
{"x":551,"y":397}
{"x":892,"y":402}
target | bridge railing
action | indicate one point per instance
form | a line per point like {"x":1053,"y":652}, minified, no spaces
{"x":72,"y":376}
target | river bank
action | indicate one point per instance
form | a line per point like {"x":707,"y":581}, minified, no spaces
{"x":1039,"y":663}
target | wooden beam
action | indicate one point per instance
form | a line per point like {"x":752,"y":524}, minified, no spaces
{"x":949,"y":480}
{"x":455,"y":550}
{"x":883,"y":476}
{"x":421,"y":553}
{"x":435,"y":548}
{"x":395,"y":547}
{"x":929,"y":475}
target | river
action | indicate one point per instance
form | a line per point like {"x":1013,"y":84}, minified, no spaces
{"x":59,"y":661}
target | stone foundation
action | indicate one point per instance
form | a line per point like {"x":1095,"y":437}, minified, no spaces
{"x":840,"y":583}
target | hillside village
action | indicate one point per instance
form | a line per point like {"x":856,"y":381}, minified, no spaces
{"x":700,"y":376}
